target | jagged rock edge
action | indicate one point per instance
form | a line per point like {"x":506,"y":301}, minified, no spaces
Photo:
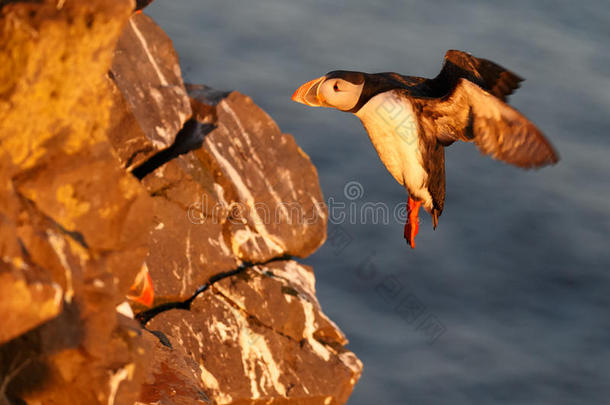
{"x":334,"y":347}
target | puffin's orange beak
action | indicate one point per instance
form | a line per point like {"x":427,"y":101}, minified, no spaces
{"x":142,"y":290}
{"x":308,"y":93}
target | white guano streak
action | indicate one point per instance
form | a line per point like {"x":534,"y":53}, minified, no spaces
{"x":310,"y":328}
{"x":246,"y":196}
{"x":257,"y":359}
{"x":59,"y":244}
{"x":189,"y":273}
{"x":255,"y":157}
{"x":116,"y":379}
{"x":150,"y":57}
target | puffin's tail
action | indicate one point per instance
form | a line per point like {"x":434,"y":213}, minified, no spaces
{"x":435,"y":213}
{"x":486,"y":74}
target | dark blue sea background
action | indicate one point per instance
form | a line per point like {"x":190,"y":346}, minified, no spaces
{"x":508,"y":301}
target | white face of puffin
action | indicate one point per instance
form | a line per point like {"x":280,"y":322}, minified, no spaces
{"x":339,"y":93}
{"x":334,"y":92}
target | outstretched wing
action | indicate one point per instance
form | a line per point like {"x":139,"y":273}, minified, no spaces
{"x":472,"y":114}
{"x":486,"y":74}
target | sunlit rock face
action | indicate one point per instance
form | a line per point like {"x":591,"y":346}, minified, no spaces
{"x":247,"y":194}
{"x":110,"y":167}
{"x":74,"y":224}
{"x":258,"y":337}
{"x":150,"y":104}
{"x":267,"y":180}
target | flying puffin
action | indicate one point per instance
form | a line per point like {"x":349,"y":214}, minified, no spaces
{"x":410,"y":120}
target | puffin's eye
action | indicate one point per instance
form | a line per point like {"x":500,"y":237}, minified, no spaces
{"x":336,"y":87}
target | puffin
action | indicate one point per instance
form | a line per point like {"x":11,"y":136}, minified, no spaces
{"x":411,"y":120}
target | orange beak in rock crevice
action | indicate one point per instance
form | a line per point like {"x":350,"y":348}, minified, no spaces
{"x":142,"y":290}
{"x":308,"y":93}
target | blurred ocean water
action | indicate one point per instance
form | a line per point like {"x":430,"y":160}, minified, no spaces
{"x":508,"y":301}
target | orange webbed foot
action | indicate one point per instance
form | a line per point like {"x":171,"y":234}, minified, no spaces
{"x":412,"y":222}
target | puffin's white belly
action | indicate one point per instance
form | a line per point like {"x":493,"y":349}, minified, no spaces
{"x":392,"y":127}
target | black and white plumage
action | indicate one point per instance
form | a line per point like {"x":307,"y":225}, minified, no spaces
{"x":410,"y":120}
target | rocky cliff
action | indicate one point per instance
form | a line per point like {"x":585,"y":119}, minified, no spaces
{"x":114,"y":172}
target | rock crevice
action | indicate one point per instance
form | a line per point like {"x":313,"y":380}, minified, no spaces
{"x":145,"y":316}
{"x":189,"y":138}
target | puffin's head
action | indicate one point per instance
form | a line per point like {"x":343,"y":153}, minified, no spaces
{"x":339,"y":89}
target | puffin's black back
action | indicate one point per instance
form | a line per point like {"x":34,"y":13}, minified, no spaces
{"x":457,"y":65}
{"x":486,"y":74}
